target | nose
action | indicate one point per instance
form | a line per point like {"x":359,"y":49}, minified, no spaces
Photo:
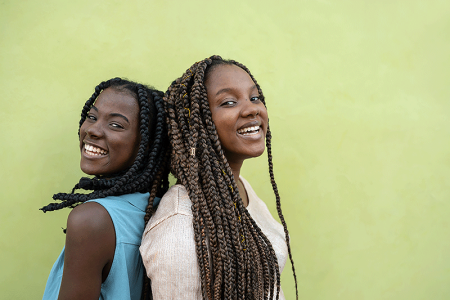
{"x":250,"y":109}
{"x":94,"y":130}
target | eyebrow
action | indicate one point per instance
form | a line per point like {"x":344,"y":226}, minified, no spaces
{"x":226,"y":90}
{"x":114,"y":114}
{"x":119,"y":115}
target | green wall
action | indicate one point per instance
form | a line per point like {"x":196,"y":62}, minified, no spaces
{"x":359,"y":101}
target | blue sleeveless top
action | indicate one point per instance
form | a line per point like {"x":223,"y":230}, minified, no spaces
{"x":125,"y":278}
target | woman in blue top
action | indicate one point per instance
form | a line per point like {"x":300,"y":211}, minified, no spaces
{"x":123,"y":143}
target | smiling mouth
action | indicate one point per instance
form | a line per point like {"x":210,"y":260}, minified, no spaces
{"x":249,"y":130}
{"x":94,"y":151}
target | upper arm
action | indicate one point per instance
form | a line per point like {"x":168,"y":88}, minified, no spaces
{"x":170,"y":259}
{"x":90,"y":245}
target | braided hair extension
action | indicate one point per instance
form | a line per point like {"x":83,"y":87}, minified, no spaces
{"x":244,"y":264}
{"x":149,"y":171}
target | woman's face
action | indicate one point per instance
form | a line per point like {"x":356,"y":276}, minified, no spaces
{"x":237,"y":112}
{"x":109,"y":137}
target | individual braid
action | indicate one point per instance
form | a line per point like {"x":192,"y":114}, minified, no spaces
{"x":244,"y":263}
{"x":151,"y":158}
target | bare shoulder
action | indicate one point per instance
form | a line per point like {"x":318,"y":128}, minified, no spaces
{"x":89,"y":251}
{"x":90,"y":224}
{"x":89,"y":217}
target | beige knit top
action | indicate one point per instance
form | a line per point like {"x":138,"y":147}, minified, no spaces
{"x":168,"y":247}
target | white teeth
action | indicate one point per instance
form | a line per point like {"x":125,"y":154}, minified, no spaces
{"x":94,"y":150}
{"x":245,"y":131}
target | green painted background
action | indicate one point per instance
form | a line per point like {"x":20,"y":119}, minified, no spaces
{"x":359,"y":101}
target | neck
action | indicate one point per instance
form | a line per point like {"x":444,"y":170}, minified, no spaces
{"x":236,"y":169}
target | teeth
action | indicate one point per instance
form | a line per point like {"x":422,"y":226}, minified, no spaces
{"x":94,"y":150}
{"x":248,"y":129}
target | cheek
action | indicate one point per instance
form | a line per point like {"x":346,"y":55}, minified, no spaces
{"x":264,"y":113}
{"x":82,"y":130}
{"x":82,"y":133}
{"x":135,"y":148}
{"x":132,"y":147}
{"x":225,"y":128}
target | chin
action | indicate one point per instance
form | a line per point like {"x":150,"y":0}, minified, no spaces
{"x":88,"y":170}
{"x":256,"y":153}
{"x":260,"y":150}
{"x":259,"y":153}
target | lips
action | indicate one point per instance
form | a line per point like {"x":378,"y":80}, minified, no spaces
{"x":249,"y":130}
{"x":94,"y":151}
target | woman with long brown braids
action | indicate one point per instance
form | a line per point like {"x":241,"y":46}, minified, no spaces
{"x":212,"y":237}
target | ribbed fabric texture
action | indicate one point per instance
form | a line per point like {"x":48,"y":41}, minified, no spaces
{"x":125,"y":278}
{"x":168,"y":245}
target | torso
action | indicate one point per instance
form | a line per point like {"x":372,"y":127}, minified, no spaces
{"x":168,"y":244}
{"x":124,"y":276}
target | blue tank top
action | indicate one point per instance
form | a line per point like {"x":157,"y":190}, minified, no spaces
{"x":125,"y":277}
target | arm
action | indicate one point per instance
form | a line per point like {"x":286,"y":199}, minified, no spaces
{"x":89,"y":252}
{"x":170,"y":259}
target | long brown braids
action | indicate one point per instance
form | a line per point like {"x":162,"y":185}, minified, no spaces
{"x":244,"y":264}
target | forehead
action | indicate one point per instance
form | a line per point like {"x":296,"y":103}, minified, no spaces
{"x":227,"y":76}
{"x":111,"y":100}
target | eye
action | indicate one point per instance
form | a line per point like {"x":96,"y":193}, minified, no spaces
{"x":255,"y":99}
{"x":228,"y":103}
{"x":91,"y":117}
{"x":116,"y":126}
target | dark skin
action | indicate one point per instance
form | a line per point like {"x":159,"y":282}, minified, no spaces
{"x":90,"y":244}
{"x":239,"y":116}
{"x":112,"y":129}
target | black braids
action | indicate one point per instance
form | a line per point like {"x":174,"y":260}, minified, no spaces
{"x":138,"y":178}
{"x":157,"y":190}
{"x":144,"y":124}
{"x":160,"y":184}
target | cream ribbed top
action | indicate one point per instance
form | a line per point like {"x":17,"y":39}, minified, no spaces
{"x":168,"y":245}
